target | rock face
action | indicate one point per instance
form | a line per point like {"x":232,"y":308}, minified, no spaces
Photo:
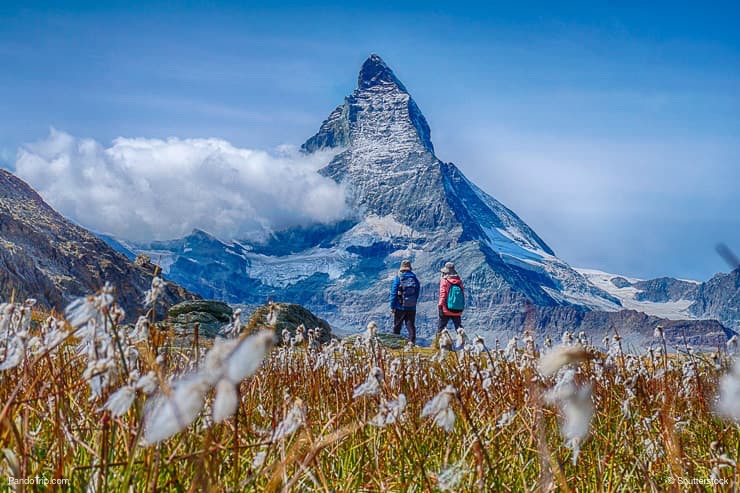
{"x":720,"y":298}
{"x":409,"y":205}
{"x":665,"y":289}
{"x":209,"y":315}
{"x":288,"y":316}
{"x":45,"y":256}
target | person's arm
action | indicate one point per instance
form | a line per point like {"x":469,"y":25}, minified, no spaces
{"x":394,"y":292}
{"x":442,"y":292}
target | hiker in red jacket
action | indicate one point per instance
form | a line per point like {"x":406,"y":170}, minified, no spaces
{"x":451,"y":298}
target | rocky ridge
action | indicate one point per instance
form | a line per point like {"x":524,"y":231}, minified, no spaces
{"x":47,"y":257}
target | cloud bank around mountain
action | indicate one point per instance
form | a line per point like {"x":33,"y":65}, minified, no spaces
{"x":143,"y":189}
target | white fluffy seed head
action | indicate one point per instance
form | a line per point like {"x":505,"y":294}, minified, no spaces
{"x":728,"y":405}
{"x":439,"y":409}
{"x":248,"y":355}
{"x":226,"y":401}
{"x":293,"y":420}
{"x":168,"y":415}
{"x":120,"y":401}
{"x":560,"y":356}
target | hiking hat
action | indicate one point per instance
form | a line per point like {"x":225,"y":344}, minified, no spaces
{"x":405,"y":265}
{"x":449,"y":269}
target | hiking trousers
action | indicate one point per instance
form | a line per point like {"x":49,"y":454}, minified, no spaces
{"x":407,"y":316}
{"x":445,"y":319}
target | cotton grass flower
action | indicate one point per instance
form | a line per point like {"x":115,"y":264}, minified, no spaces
{"x":83,"y":310}
{"x":560,"y":356}
{"x":576,"y":406}
{"x":506,"y":419}
{"x":259,"y":459}
{"x":140,"y":333}
{"x":390,"y":412}
{"x":121,"y":400}
{"x":226,"y":401}
{"x":510,"y":352}
{"x":479,"y":345}
{"x":168,"y":415}
{"x":728,"y":405}
{"x":147,"y":383}
{"x":226,"y":365}
{"x":248,"y":355}
{"x":445,"y":340}
{"x":439,"y":409}
{"x":461,"y":339}
{"x":11,"y":353}
{"x":449,"y":478}
{"x":371,"y":386}
{"x":659,"y":333}
{"x":156,"y":290}
{"x":233,"y":327}
{"x":293,"y":420}
{"x":370,"y":332}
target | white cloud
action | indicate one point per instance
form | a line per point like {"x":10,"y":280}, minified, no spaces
{"x":142,"y":189}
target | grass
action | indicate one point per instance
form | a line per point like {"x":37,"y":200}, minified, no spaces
{"x":50,"y":427}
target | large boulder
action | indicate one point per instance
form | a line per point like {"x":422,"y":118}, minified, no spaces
{"x":287,"y":316}
{"x":210,"y":316}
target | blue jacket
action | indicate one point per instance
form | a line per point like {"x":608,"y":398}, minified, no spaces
{"x":394,"y":301}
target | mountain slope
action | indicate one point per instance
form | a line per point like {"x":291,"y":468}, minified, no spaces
{"x":45,"y":256}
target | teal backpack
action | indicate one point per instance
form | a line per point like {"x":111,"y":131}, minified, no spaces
{"x":455,"y":299}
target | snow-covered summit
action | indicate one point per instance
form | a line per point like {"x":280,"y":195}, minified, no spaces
{"x":374,"y":72}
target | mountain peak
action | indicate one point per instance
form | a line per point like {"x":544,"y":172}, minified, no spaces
{"x":375,"y":72}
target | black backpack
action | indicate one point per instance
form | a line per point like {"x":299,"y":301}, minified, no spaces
{"x":407,"y":292}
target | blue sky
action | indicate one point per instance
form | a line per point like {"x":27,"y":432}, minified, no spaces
{"x":613,"y":130}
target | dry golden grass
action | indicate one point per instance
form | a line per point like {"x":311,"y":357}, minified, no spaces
{"x":50,"y":427}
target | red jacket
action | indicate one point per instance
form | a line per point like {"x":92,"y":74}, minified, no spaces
{"x":444,"y":288}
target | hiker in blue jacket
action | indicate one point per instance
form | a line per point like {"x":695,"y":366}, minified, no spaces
{"x":404,"y":295}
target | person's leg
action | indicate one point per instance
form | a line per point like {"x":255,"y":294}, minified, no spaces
{"x":457,"y":321}
{"x":411,"y":325}
{"x":397,"y":321}
{"x":443,"y":320}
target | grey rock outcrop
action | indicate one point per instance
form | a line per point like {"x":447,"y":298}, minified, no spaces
{"x":209,"y":316}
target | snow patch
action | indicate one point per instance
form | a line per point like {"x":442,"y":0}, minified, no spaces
{"x":291,"y":269}
{"x":672,"y":310}
{"x":374,"y":229}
